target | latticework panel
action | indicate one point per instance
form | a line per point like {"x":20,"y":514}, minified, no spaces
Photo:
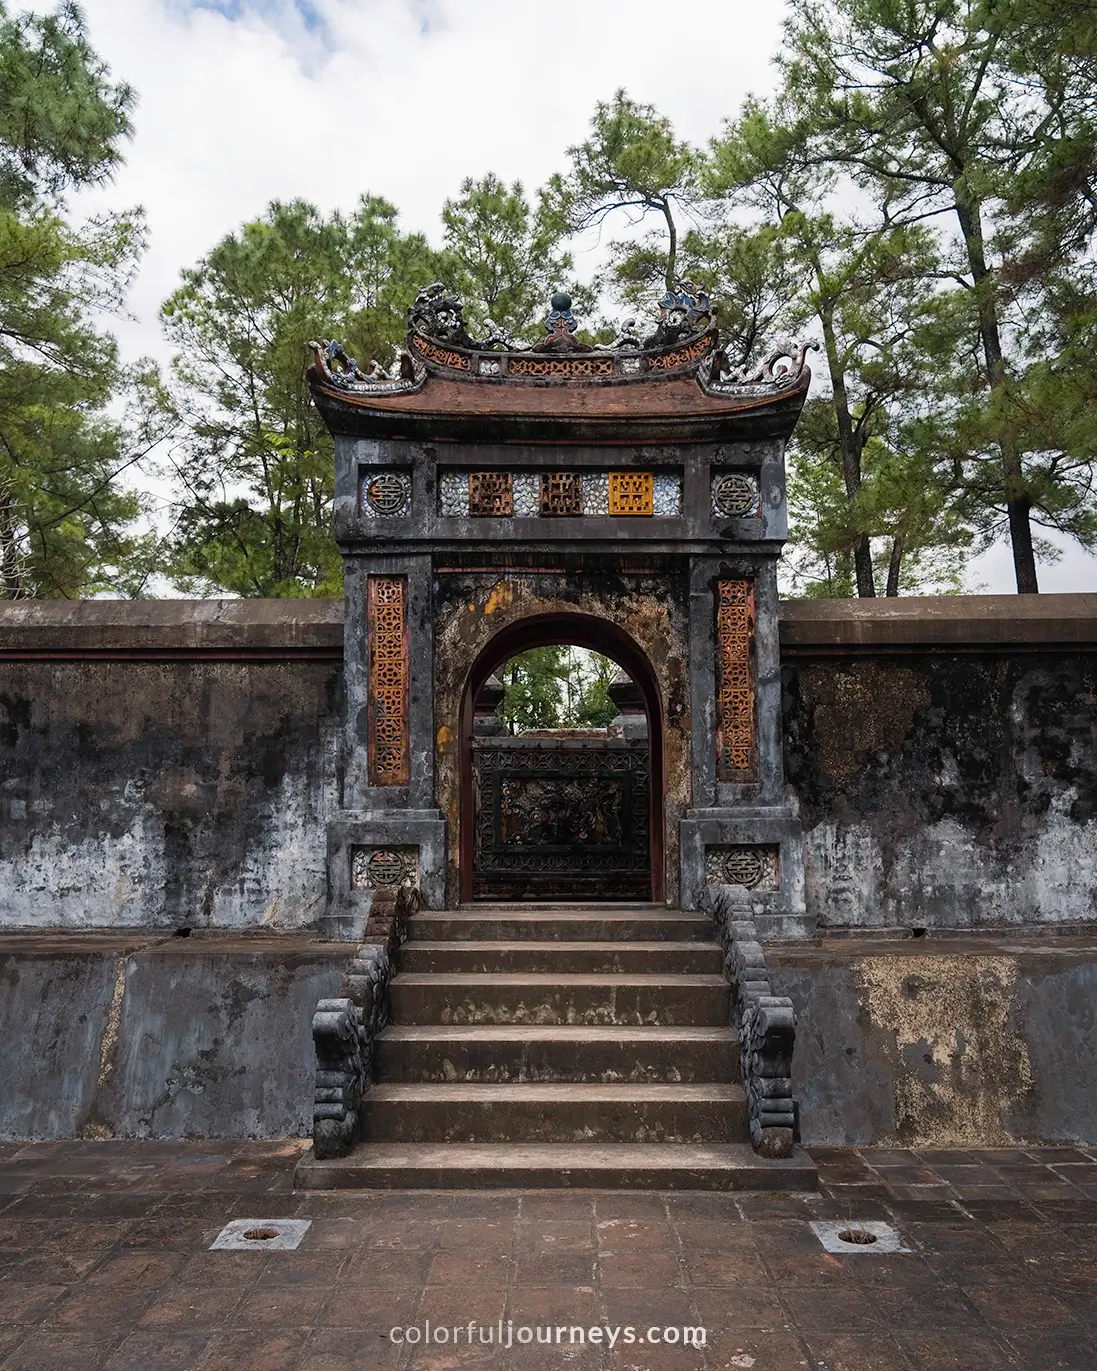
{"x":491,"y":494}
{"x":387,"y":637}
{"x":631,"y":492}
{"x":735,"y":738}
{"x":561,"y":493}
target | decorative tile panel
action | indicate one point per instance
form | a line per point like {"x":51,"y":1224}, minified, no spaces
{"x":630,"y":492}
{"x":526,"y":488}
{"x":734,"y":494}
{"x":666,"y":494}
{"x":386,"y":494}
{"x":453,"y":495}
{"x":379,"y":868}
{"x":757,"y":868}
{"x":561,"y":493}
{"x":735,"y":731}
{"x":490,"y":494}
{"x":387,"y":716}
{"x":595,"y":492}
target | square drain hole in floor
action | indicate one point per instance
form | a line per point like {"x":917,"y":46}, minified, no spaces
{"x":858,"y":1235}
{"x":261,"y":1235}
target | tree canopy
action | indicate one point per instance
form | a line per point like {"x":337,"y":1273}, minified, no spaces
{"x":919,"y":194}
{"x":67,"y":525}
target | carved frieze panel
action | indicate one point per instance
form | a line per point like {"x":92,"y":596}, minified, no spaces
{"x":668,"y":360}
{"x":379,"y":868}
{"x":534,"y":494}
{"x":756,"y":867}
{"x":387,"y":714}
{"x":735,"y":736}
{"x":445,"y":357}
{"x":630,"y":492}
{"x":490,"y":494}
{"x":386,"y":494}
{"x":561,"y":493}
{"x":734,"y":494}
{"x":561,"y":366}
{"x":561,"y":820}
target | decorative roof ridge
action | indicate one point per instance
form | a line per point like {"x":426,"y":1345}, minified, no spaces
{"x":685,"y":343}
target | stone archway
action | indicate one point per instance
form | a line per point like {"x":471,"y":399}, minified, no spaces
{"x":599,"y":635}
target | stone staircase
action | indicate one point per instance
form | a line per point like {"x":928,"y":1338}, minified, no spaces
{"x":558,"y":1045}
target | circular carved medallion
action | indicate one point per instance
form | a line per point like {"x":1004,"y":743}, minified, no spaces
{"x":387,"y":493}
{"x":743,"y":867}
{"x":386,"y":868}
{"x":734,"y":494}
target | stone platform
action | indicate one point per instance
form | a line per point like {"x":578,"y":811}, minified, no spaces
{"x":106,"y":1266}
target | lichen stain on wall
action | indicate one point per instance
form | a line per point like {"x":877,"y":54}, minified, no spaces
{"x":960,"y":1066}
{"x":860,"y":709}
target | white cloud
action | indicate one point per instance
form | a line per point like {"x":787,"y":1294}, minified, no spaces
{"x":244,"y":101}
{"x":400,"y":97}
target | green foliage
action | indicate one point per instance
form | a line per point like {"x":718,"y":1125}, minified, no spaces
{"x":506,"y":256}
{"x":978,"y":115}
{"x":66,"y":525}
{"x":253,"y":460}
{"x":532,"y":689}
{"x":632,"y":163}
{"x":592,"y":706}
{"x":62,"y":120}
{"x":557,"y":687}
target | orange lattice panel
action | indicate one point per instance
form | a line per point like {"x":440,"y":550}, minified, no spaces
{"x":630,"y":492}
{"x":387,"y":637}
{"x":735,"y":737}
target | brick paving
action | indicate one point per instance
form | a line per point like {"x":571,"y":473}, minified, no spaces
{"x":104,"y":1250}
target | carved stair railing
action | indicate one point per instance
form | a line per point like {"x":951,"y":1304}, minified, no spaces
{"x":766,"y":1023}
{"x":344,"y":1028}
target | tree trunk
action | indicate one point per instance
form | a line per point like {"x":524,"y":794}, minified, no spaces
{"x":672,"y":246}
{"x":851,"y":452}
{"x":1018,"y":503}
{"x":894,"y":565}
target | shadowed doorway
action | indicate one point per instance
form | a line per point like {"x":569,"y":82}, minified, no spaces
{"x":562,"y":813}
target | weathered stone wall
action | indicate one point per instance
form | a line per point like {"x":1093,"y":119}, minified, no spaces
{"x":943,"y":1042}
{"x":171,"y":764}
{"x":166,"y":765}
{"x":944,"y":755}
{"x":107,"y":1036}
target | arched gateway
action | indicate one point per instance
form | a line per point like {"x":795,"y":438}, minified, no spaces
{"x":630,"y":499}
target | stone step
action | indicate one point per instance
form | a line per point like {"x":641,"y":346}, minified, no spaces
{"x":588,"y":957}
{"x":594,"y":923}
{"x":424,"y":998}
{"x":612,"y":1166}
{"x":555,"y":1052}
{"x":551,"y":1113}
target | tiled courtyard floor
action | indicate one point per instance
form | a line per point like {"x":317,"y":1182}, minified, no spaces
{"x":105,"y":1264}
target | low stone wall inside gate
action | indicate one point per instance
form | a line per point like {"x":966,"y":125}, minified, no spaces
{"x":944,"y":1041}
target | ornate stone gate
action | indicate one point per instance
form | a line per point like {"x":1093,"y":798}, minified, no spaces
{"x":630,"y":499}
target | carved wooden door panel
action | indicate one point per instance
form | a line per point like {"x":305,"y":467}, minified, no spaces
{"x":561,"y":818}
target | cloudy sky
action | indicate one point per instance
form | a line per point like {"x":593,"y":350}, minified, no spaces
{"x":244,"y":101}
